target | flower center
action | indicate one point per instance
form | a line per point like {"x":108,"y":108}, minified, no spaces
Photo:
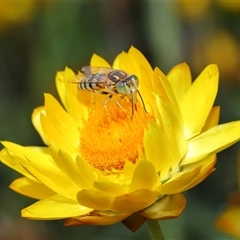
{"x":110,"y":138}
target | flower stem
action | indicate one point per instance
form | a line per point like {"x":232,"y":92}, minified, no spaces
{"x":155,"y":230}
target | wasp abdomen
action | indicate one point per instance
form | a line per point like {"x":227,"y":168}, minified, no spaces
{"x":92,"y":82}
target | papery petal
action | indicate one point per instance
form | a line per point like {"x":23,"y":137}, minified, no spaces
{"x":97,"y":61}
{"x":207,"y":167}
{"x":55,"y":207}
{"x":169,"y":206}
{"x":212,"y":119}
{"x":145,"y":73}
{"x":67,"y":127}
{"x":212,"y":141}
{"x":157,"y":149}
{"x":31,"y":188}
{"x":74,"y":101}
{"x":13,"y":161}
{"x":198,"y":100}
{"x":134,"y":201}
{"x":37,"y":122}
{"x":96,"y":218}
{"x":177,"y":182}
{"x":129,"y":168}
{"x":31,"y":154}
{"x":180,"y":79}
{"x":40,"y":166}
{"x":171,"y":125}
{"x":144,"y":176}
{"x":142,"y":61}
{"x":54,"y":180}
{"x":75,"y":167}
{"x":100,"y":195}
{"x":163,"y":88}
{"x":146,"y":90}
{"x":61,"y":88}
{"x":142,"y":70}
{"x":126,"y":62}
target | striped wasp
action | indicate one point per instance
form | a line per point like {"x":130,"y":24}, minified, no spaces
{"x":110,"y":82}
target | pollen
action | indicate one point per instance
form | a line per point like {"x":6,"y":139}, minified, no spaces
{"x":110,"y":138}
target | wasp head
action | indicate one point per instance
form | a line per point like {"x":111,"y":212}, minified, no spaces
{"x":128,"y":86}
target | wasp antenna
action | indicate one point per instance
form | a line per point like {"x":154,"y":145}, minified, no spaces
{"x":142,"y":100}
{"x":133,"y":103}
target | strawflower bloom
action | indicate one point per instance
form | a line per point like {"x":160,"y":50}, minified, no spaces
{"x":102,"y":167}
{"x":228,"y":220}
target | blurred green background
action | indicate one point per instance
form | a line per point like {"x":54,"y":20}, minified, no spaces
{"x":39,"y":38}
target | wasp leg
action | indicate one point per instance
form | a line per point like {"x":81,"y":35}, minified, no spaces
{"x":105,"y":104}
{"x":119,"y":105}
{"x":93,"y":99}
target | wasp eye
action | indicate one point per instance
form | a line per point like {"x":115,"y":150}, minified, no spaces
{"x":122,"y":88}
{"x":134,"y":78}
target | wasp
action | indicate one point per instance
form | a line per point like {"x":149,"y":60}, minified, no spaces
{"x":110,"y":82}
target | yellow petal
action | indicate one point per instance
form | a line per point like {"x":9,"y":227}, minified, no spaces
{"x":127,"y":62}
{"x":212,"y":119}
{"x":171,"y":126}
{"x":55,"y":136}
{"x":180,"y":79}
{"x":56,"y":181}
{"x":124,"y":62}
{"x":207,"y":168}
{"x":163,"y":88}
{"x":144,"y":176}
{"x":40,"y":166}
{"x":177,"y":182}
{"x":13,"y":161}
{"x":157,"y":149}
{"x":133,"y":201}
{"x":146,"y":88}
{"x":31,"y":188}
{"x":129,"y":168}
{"x":198,"y":100}
{"x":212,"y":141}
{"x":100,"y":195}
{"x":76,"y":169}
{"x":97,"y":61}
{"x":61,"y":88}
{"x":74,"y":100}
{"x":37,"y":122}
{"x":96,"y":218}
{"x":55,"y":207}
{"x":35,"y":155}
{"x":145,"y":73}
{"x":169,"y":206}
{"x":64,"y":124}
{"x":142,"y":61}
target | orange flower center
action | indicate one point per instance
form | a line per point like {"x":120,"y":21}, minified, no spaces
{"x":110,"y":138}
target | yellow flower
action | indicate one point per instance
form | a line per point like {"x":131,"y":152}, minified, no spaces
{"x":14,"y":13}
{"x":101,"y":168}
{"x":228,"y":221}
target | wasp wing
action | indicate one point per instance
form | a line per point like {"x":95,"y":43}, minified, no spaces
{"x":88,"y":70}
